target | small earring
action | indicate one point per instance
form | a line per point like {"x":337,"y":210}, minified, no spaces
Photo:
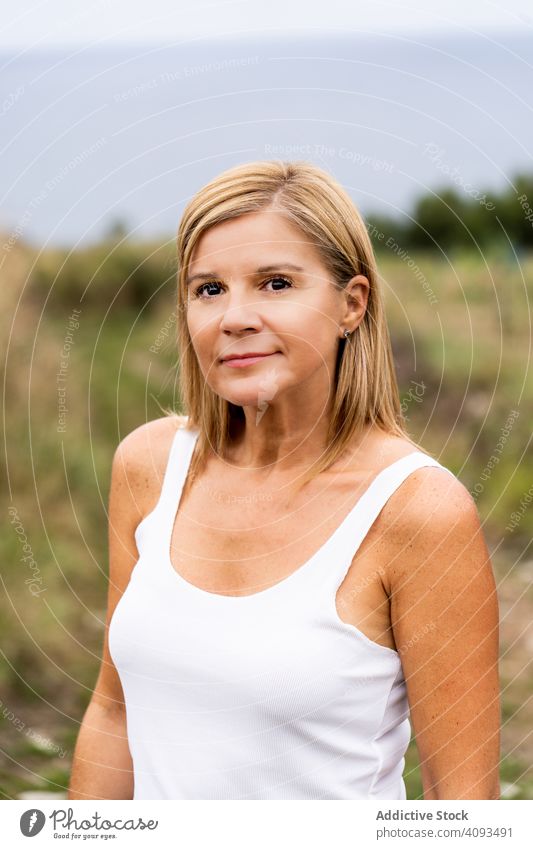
{"x":346,"y":333}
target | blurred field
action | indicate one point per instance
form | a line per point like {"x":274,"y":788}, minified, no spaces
{"x":466,"y":347}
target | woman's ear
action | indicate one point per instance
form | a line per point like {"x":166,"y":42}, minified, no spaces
{"x":356,"y":293}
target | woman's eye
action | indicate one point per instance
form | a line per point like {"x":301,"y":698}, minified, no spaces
{"x":213,"y":285}
{"x":283,"y":280}
{"x":200,"y":289}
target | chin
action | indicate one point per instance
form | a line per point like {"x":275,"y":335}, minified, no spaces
{"x":248,"y":399}
{"x":252,"y":392}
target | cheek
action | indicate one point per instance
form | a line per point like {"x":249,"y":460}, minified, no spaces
{"x":203,"y":335}
{"x":308,"y":322}
{"x":316,"y":340}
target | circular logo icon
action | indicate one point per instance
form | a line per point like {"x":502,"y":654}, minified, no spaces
{"x":31,"y":822}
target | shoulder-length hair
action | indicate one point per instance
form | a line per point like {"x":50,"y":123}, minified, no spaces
{"x":365,"y":389}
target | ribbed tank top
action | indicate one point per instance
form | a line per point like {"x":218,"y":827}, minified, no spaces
{"x":263,"y":696}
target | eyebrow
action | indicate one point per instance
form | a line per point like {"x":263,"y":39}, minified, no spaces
{"x":204,"y":275}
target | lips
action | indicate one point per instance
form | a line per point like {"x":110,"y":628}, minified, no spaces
{"x":246,"y":360}
{"x":247,"y":356}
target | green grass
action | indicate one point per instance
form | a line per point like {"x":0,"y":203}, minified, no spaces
{"x":470,"y":349}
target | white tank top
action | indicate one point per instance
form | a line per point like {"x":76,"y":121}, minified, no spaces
{"x":264,"y":696}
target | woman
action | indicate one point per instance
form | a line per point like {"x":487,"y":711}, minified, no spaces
{"x":304,"y":582}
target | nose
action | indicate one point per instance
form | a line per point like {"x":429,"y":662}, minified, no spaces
{"x":240,"y":314}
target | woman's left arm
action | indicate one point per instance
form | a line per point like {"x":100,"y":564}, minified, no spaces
{"x":445,"y":619}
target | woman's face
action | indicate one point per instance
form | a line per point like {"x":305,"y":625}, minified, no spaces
{"x":257,"y":285}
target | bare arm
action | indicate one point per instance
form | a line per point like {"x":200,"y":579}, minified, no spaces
{"x":444,"y":612}
{"x":102,"y":765}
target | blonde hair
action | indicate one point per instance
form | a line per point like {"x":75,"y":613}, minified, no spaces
{"x":366,"y":389}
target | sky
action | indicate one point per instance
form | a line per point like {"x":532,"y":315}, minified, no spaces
{"x":33,"y":24}
{"x":131,"y":131}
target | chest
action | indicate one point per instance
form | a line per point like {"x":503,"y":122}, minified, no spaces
{"x":238,"y":541}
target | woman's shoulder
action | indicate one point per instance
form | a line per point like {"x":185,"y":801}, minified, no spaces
{"x":427,"y":487}
{"x":428,"y":492}
{"x":151,"y":438}
{"x":142,"y":455}
{"x":429,"y":506}
{"x":429,"y":519}
{"x":383,"y":449}
{"x":433,"y":530}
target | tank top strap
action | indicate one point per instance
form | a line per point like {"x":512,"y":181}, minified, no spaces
{"x":179,"y":460}
{"x":350,"y":535}
{"x":156,"y":522}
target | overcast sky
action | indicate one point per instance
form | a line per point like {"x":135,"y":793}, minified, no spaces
{"x":48,"y":23}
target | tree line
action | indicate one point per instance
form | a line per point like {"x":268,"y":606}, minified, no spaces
{"x":461,"y":218}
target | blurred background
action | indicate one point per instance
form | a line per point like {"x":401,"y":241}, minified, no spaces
{"x":113,"y":115}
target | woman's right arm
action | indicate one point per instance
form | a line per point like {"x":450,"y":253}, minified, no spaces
{"x":102,"y":765}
